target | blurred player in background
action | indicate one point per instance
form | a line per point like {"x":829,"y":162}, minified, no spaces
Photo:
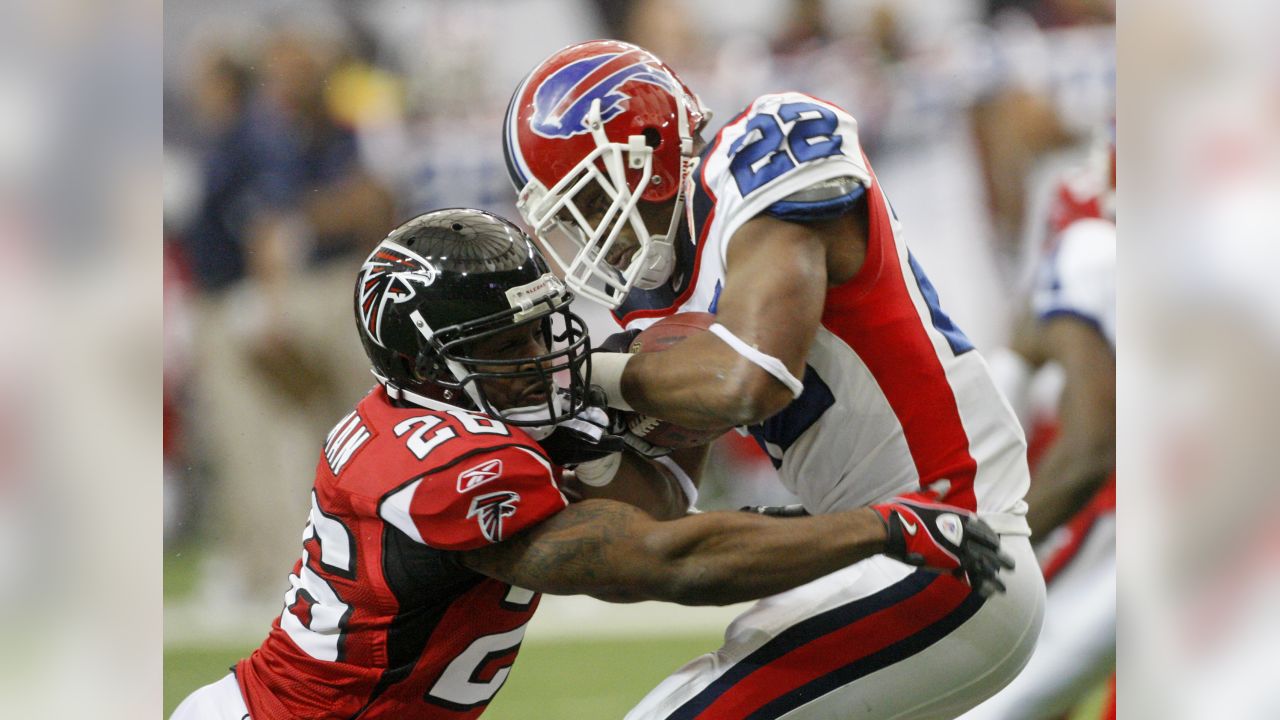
{"x":830,"y":347}
{"x":285,"y":208}
{"x":437,"y":515}
{"x":1073,"y":493}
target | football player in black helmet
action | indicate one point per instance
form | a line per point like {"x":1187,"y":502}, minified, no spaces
{"x":458,"y":306}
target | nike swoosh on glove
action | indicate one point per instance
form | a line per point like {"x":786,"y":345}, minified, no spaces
{"x":945,"y":539}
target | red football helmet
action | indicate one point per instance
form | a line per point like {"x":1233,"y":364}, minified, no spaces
{"x":611,"y":116}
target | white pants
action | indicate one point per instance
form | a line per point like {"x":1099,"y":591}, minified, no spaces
{"x":877,"y":640}
{"x":217,"y":701}
{"x":1077,"y":648}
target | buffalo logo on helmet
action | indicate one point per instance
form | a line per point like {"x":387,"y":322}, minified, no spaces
{"x":564,"y":98}
{"x":489,"y":511}
{"x":392,"y":274}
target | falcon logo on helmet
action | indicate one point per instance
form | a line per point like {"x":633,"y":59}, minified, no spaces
{"x":489,"y":510}
{"x":392,"y":274}
{"x":564,"y":98}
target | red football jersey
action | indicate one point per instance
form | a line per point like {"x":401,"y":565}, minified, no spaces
{"x":381,"y":620}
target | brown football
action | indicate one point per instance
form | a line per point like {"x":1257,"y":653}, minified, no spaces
{"x":656,"y":338}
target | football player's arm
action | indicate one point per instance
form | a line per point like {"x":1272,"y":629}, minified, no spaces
{"x":775,"y":285}
{"x":1084,"y":454}
{"x":615,"y":552}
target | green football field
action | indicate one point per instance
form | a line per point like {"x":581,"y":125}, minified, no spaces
{"x":552,"y":679}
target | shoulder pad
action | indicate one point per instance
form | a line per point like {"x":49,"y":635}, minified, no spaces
{"x":822,"y":200}
{"x":482,"y":497}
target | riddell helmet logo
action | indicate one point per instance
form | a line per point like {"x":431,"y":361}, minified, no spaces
{"x":489,"y":511}
{"x":473,"y":478}
{"x":391,"y":275}
{"x":562,"y":101}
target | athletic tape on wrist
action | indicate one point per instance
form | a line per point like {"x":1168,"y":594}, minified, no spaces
{"x":768,"y":363}
{"x":599,"y":472}
{"x":606,"y":371}
{"x":686,"y":482}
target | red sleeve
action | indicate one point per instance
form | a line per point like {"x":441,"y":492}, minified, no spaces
{"x":480,"y":498}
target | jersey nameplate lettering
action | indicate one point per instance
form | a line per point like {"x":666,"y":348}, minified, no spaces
{"x":344,"y":440}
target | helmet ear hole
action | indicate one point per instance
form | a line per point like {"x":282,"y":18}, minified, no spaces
{"x":424,"y":366}
{"x":652,"y":137}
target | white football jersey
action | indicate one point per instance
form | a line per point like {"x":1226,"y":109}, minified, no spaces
{"x":896,"y":399}
{"x":1078,"y":278}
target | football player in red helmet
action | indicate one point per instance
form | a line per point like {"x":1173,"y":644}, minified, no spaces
{"x":830,"y":347}
{"x":600,"y":146}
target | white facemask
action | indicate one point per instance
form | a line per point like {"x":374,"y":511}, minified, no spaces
{"x":587,"y":272}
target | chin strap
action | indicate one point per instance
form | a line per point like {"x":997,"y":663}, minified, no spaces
{"x":396,"y":392}
{"x":455,"y":369}
{"x":662,"y":256}
{"x":534,"y":413}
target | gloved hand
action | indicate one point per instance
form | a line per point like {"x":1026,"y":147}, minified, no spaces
{"x":585,"y":437}
{"x":569,"y":447}
{"x":944,"y":539}
{"x":619,"y":342}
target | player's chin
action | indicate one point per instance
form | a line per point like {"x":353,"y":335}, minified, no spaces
{"x":535,"y":400}
{"x":621,"y":254}
{"x":534,"y":395}
{"x":504,"y":399}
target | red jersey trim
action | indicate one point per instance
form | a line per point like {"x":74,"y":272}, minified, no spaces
{"x":878,"y":319}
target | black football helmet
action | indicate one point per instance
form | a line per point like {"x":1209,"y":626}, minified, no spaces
{"x":448,"y":278}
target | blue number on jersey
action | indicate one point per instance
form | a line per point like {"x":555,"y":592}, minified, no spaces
{"x":810,"y":138}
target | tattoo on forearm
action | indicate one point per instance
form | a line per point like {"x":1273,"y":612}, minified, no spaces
{"x":568,"y":549}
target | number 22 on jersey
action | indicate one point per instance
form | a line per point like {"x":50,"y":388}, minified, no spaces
{"x":775,"y":142}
